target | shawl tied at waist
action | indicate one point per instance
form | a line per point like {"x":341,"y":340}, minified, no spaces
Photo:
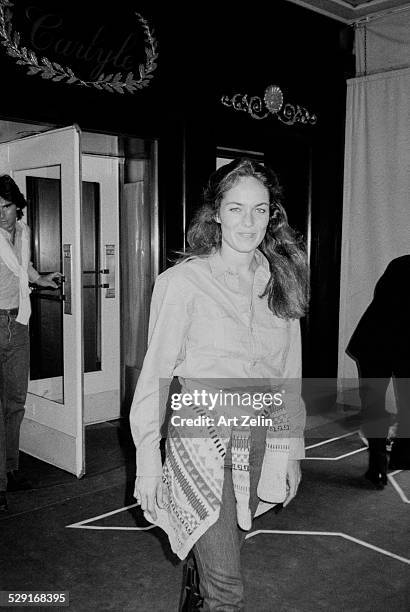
{"x":10,"y":259}
{"x":193,"y":475}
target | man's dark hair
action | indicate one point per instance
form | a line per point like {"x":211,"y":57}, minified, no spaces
{"x":9,"y":191}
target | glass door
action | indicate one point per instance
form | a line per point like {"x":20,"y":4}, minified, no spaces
{"x":101,"y":287}
{"x":47,"y":169}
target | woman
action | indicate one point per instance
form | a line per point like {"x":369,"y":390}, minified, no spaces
{"x":224,"y":319}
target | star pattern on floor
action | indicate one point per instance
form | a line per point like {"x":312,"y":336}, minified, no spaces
{"x":330,"y":441}
{"x":91,"y":523}
{"x":398,"y":487}
{"x":86,"y":524}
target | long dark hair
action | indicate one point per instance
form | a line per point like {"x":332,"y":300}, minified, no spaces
{"x":287,"y":288}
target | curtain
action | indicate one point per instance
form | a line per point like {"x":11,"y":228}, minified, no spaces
{"x":383,"y":43}
{"x":376,"y":208}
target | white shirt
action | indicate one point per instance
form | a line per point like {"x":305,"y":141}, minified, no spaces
{"x":202,"y":329}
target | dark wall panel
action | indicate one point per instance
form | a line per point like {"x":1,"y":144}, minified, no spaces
{"x":206,"y":51}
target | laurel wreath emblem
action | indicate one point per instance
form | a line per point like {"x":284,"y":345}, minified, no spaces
{"x":53,"y":71}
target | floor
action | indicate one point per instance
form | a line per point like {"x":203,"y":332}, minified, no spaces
{"x":340,"y":545}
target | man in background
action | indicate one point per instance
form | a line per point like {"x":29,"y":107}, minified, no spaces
{"x":380,"y":346}
{"x":16,"y":271}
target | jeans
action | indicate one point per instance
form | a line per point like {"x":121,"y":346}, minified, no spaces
{"x":14,"y":371}
{"x":217,"y":552}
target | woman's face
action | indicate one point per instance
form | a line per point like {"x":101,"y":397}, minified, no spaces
{"x":244,"y":215}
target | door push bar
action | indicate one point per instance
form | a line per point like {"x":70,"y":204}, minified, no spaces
{"x":109,"y":271}
{"x":66,"y":279}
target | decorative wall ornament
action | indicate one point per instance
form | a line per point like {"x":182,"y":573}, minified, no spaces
{"x":270,"y":104}
{"x":53,"y":71}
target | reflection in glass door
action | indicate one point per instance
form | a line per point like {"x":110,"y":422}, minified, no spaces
{"x":46,"y":330}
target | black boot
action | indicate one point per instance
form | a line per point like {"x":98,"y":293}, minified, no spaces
{"x":190,"y":599}
{"x":377,"y":471}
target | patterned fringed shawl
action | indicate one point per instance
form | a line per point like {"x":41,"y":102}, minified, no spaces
{"x":193,"y":475}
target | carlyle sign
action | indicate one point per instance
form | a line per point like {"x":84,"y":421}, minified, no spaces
{"x":109,"y":69}
{"x":45,"y":36}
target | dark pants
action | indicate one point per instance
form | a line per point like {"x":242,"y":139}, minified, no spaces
{"x":374,"y":380}
{"x":217,"y":552}
{"x":14,"y":372}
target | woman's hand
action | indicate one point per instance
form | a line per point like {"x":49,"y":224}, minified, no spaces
{"x":293,"y":478}
{"x":149,"y":492}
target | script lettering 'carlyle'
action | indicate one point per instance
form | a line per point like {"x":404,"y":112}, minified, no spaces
{"x":45,"y":36}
